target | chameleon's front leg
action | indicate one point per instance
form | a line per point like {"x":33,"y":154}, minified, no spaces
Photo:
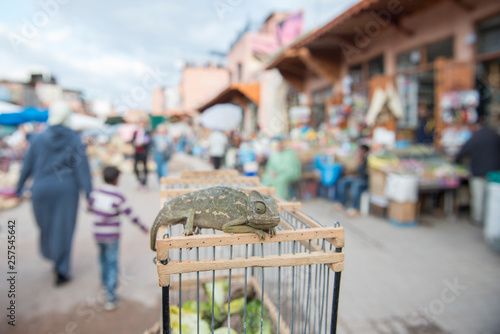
{"x":271,"y":232}
{"x":188,"y":228}
{"x":236,"y":226}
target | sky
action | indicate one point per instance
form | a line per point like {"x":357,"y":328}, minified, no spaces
{"x":108,"y":48}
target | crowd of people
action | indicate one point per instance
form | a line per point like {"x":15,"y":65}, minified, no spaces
{"x":56,"y":161}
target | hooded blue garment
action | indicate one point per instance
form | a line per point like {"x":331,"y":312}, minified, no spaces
{"x":57,"y":162}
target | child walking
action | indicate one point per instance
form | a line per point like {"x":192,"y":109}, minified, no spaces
{"x":107,"y":204}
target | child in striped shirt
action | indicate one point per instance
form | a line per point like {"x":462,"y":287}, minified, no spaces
{"x":107,"y":204}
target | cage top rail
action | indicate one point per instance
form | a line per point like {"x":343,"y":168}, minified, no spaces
{"x":269,"y":191}
{"x":210,"y":173}
{"x":226,"y":239}
{"x":253,"y":180}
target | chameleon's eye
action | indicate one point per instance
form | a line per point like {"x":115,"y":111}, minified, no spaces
{"x":260,"y":208}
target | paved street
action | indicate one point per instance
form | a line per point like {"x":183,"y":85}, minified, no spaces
{"x":437,"y":278}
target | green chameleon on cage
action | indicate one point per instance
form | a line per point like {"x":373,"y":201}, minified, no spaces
{"x":221,"y":208}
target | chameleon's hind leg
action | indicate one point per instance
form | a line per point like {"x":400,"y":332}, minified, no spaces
{"x":236,"y":226}
{"x":188,"y":228}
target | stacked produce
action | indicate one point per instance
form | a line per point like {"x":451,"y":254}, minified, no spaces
{"x":421,"y":160}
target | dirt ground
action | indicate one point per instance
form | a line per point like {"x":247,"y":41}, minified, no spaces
{"x":439,"y":277}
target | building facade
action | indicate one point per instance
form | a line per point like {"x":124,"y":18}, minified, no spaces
{"x":423,"y":49}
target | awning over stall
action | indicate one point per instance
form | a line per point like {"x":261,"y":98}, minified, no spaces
{"x":236,"y":94}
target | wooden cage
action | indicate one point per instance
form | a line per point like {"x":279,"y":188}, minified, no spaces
{"x":294,"y":275}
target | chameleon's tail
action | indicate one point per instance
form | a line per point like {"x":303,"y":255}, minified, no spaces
{"x":154,"y":229}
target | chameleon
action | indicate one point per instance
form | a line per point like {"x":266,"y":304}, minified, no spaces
{"x":221,"y":208}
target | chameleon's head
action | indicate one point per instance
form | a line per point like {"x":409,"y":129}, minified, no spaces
{"x":262,"y":211}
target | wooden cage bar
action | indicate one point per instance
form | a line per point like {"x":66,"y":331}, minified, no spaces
{"x":211,"y":173}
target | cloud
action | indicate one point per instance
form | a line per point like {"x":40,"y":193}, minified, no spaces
{"x":107,"y":46}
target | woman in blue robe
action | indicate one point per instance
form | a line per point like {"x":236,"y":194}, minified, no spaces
{"x":57,"y":162}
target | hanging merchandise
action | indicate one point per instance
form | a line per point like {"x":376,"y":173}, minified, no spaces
{"x":460,"y":106}
{"x":408,"y":93}
{"x":299,"y":115}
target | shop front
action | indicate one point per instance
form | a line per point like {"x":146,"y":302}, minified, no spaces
{"x":399,"y":75}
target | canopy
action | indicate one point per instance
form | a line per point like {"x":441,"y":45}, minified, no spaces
{"x":236,"y":93}
{"x":115,"y":120}
{"x":79,"y":122}
{"x":223,"y":117}
{"x":30,"y":114}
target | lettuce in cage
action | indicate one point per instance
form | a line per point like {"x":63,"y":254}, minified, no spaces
{"x":237,"y":306}
{"x":189,"y":320}
{"x":206,"y":313}
{"x":253,"y":319}
{"x":220,"y":292}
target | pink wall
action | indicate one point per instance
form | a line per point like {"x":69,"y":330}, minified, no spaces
{"x":158,"y":101}
{"x":241,"y":52}
{"x":199,"y":84}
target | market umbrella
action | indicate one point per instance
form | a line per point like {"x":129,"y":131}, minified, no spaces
{"x":7,"y":108}
{"x":79,"y":122}
{"x":222,"y":117}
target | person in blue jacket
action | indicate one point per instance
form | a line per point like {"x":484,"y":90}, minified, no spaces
{"x":57,"y":162}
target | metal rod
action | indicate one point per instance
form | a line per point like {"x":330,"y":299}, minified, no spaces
{"x":286,"y":220}
{"x":325,"y":268}
{"x":279,"y":290}
{"x":293,"y":290}
{"x":327,"y":297}
{"x":305,"y":214}
{"x":213,"y":290}
{"x":229,"y":294}
{"x":245,"y":309}
{"x":180,"y":294}
{"x":307,"y":318}
{"x":165,"y":298}
{"x":336,"y":292}
{"x":262,"y":293}
{"x":316,"y":300}
{"x":198,"y":293}
{"x":296,"y":217}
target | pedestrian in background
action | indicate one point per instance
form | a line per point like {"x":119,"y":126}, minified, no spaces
{"x":483,"y":149}
{"x":282,"y":168}
{"x":107,"y":204}
{"x":58,"y":164}
{"x":141,"y":141}
{"x":218,"y":143}
{"x":163,"y":148}
{"x":355,"y":184}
